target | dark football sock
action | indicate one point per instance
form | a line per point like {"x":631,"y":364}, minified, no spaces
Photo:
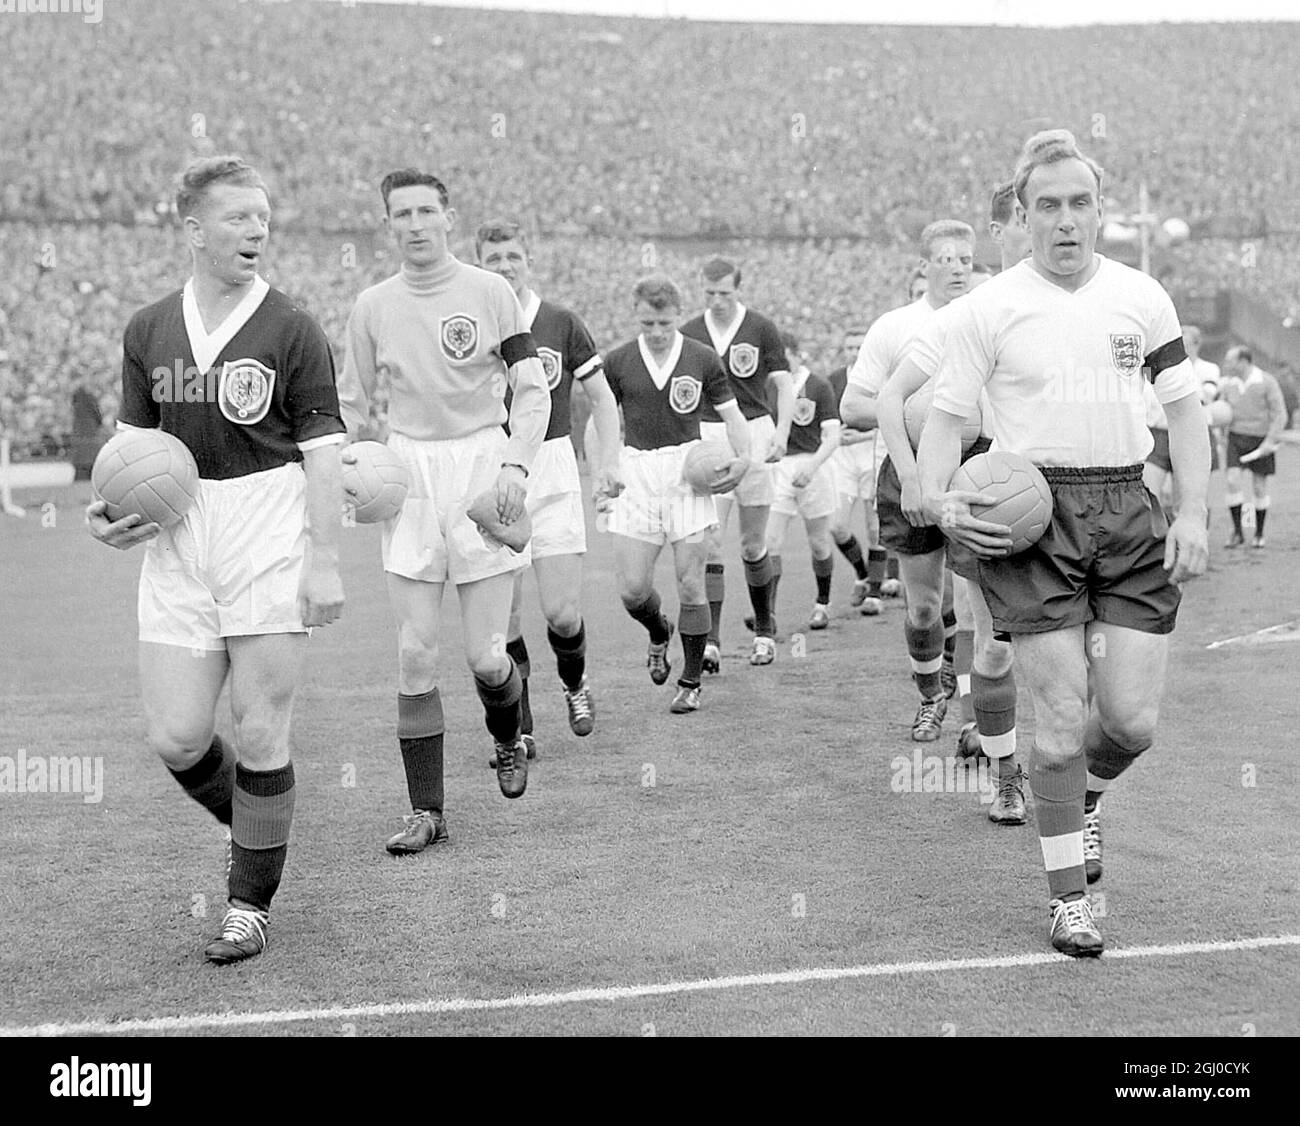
{"x":875,"y":574}
{"x":649,"y":614}
{"x":501,"y":706}
{"x":1058,"y":789}
{"x":1235,"y":512}
{"x":963,"y":653}
{"x":852,"y":551}
{"x":715,"y":588}
{"x":211,"y":780}
{"x":259,"y":829}
{"x":771,"y":587}
{"x":891,"y":567}
{"x":517,"y":651}
{"x":1106,"y":760}
{"x":419,"y":733}
{"x":693,"y":624}
{"x":1261,"y":514}
{"x":925,"y":650}
{"x":758,"y":577}
{"x":822,"y":571}
{"x":570,"y":657}
{"x":949,"y":633}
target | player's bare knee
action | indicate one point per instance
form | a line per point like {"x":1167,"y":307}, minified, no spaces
{"x":178,"y":743}
{"x":992,"y":658}
{"x":490,"y":665}
{"x":563,"y":617}
{"x":1134,"y":729}
{"x":416,"y":659}
{"x":924,"y":609}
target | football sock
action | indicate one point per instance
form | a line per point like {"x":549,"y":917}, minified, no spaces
{"x":993,"y":699}
{"x":693,"y":624}
{"x":1235,"y":512}
{"x":822,"y":571}
{"x":570,"y":657}
{"x":1058,"y":789}
{"x":949,"y":633}
{"x":1106,"y":760}
{"x":771,"y":588}
{"x":925,"y":651}
{"x":891,"y":567}
{"x":211,"y":780}
{"x":501,"y":705}
{"x":419,"y":733}
{"x":714,"y":588}
{"x":259,"y":831}
{"x":1261,"y":514}
{"x":758,"y":577}
{"x":650,"y":616}
{"x":851,"y":551}
{"x":875,"y":575}
{"x":517,"y":651}
{"x":963,"y":653}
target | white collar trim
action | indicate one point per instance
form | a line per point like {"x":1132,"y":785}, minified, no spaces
{"x":205,"y":346}
{"x":722,"y":337}
{"x":659,"y":375}
{"x":530,"y":310}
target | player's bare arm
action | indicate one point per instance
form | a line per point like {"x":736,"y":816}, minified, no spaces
{"x":937,"y":460}
{"x":906,"y":380}
{"x":604,"y":412}
{"x":783,"y":381}
{"x":320,"y":597}
{"x":738,"y":437}
{"x":122,"y":534}
{"x":1187,"y":551}
{"x":858,"y":410}
{"x":530,"y":413}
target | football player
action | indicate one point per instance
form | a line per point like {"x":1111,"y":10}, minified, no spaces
{"x":802,"y":484}
{"x":228,"y":594}
{"x":559,"y":538}
{"x":661,"y":379}
{"x":947,"y":254}
{"x":451,"y":340}
{"x":750,"y":349}
{"x":1089,"y":607}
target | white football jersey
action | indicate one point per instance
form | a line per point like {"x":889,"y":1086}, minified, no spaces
{"x":886,"y":344}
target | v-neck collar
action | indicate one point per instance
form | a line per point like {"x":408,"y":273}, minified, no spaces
{"x":530,"y":310}
{"x":722,"y":337}
{"x":206,"y":346}
{"x":659,"y":375}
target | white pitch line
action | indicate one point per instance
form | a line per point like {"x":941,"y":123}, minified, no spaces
{"x":618,"y":992}
{"x":1282,"y":632}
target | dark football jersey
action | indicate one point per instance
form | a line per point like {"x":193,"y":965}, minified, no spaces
{"x":271,"y":386}
{"x":752,"y":354}
{"x":814,"y":403}
{"x":654,"y":416}
{"x":838,"y":379}
{"x":567,"y":353}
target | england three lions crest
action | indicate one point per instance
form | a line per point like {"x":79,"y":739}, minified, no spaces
{"x":244,"y":391}
{"x":458,"y":337}
{"x":552,"y":364}
{"x":1126,"y":352}
{"x":684,"y":393}
{"x":743,"y":360}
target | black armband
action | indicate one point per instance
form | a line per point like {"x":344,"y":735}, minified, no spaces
{"x":1166,"y":356}
{"x":518,"y":347}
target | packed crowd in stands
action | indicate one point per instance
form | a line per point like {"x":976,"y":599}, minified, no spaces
{"x":813,"y":154}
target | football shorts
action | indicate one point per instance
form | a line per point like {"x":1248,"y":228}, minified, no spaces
{"x":815,"y":500}
{"x":432,"y":539}
{"x":656,"y":505}
{"x":896,"y":533}
{"x":1239,"y":444}
{"x":232,"y":567}
{"x":555,"y":501}
{"x":855,"y":468}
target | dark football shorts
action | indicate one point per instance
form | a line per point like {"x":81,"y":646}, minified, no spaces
{"x":1159,"y":455}
{"x":895,"y":532}
{"x":1239,"y":444}
{"x":1101,"y":559}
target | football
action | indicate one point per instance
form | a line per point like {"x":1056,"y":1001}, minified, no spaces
{"x":705,"y":462}
{"x":147,"y":472}
{"x":375,"y":487}
{"x":917,"y":409}
{"x":1218,"y":413}
{"x":1024,"y":500}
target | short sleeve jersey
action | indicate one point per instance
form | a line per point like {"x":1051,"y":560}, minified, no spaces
{"x":814,"y":404}
{"x":1064,"y":371}
{"x":567,"y":353}
{"x":926,"y":352}
{"x":750,"y":350}
{"x":886,"y":344}
{"x":247,"y":397}
{"x":662,"y":404}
